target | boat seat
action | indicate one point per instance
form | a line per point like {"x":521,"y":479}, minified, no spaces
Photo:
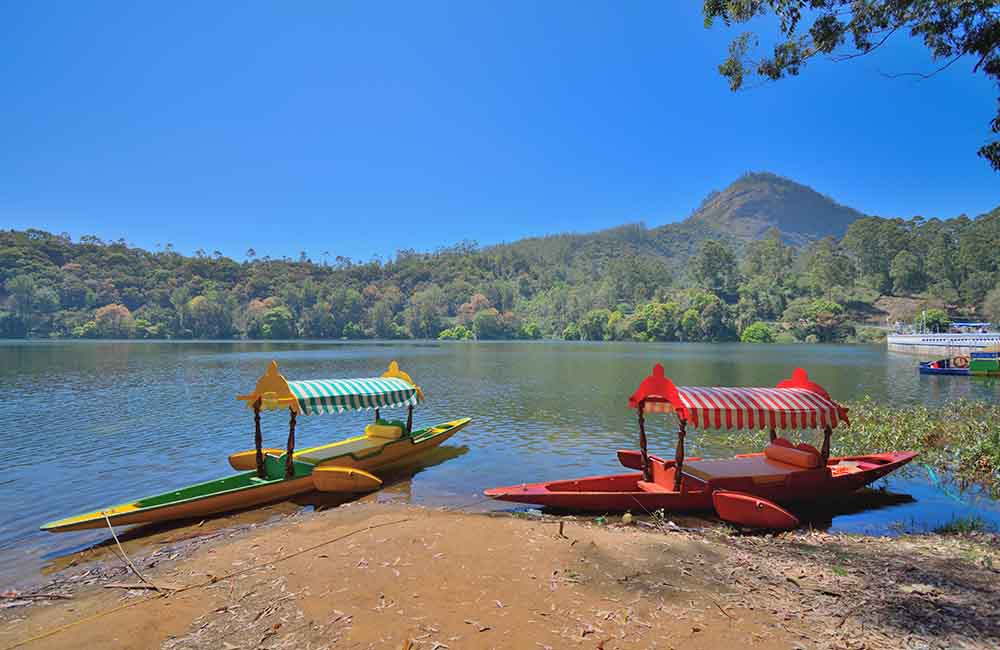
{"x":797,"y":456}
{"x":358,"y":446}
{"x":759,"y":468}
{"x":648,"y":486}
{"x":385,"y":431}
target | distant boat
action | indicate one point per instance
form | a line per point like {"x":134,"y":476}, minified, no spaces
{"x":981,"y":364}
{"x":969,"y":337}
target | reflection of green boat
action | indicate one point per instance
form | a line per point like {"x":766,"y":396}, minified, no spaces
{"x":276,"y":474}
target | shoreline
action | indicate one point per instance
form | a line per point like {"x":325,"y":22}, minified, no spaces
{"x":377,"y":575}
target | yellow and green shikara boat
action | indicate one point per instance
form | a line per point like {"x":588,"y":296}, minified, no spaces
{"x":268,"y":475}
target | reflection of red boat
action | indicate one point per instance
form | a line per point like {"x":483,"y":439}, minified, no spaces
{"x":783,"y":473}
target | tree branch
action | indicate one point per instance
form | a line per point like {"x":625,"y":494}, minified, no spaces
{"x":846,"y":57}
{"x":922,"y":75}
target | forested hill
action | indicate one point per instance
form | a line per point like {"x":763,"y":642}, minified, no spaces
{"x":715,"y":276}
{"x":755,"y":203}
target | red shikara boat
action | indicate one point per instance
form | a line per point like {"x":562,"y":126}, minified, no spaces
{"x":783,"y":472}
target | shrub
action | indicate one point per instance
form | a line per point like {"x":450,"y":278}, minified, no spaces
{"x":758,"y":333}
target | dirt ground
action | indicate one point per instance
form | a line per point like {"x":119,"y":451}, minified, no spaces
{"x":402,"y":577}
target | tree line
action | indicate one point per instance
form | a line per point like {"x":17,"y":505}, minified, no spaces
{"x":620,"y":284}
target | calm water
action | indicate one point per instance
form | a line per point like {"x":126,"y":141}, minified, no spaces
{"x":88,"y":424}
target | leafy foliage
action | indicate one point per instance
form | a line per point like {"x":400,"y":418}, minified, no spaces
{"x":758,"y":333}
{"x":847,"y":29}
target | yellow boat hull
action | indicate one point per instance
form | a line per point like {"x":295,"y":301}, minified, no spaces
{"x":134,"y":513}
{"x":362,"y":452}
{"x":344,"y":479}
{"x":245,"y":461}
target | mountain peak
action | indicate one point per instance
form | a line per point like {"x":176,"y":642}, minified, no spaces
{"x":758,"y":201}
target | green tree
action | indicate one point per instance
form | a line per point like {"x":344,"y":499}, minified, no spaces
{"x":47,"y":303}
{"x":571,"y":332}
{"x":758,"y":333}
{"x":530,"y":331}
{"x":907,"y":273}
{"x":846,"y":29}
{"x":423,"y":314}
{"x":935,"y":320}
{"x":277,"y":323}
{"x":976,"y":286}
{"x":382,"y":317}
{"x":487,"y":325}
{"x":179,"y":299}
{"x":457,"y":333}
{"x":22,"y":290}
{"x":594,"y":325}
{"x":769,"y":260}
{"x":353,"y":331}
{"x":691,"y":325}
{"x":827,"y":267}
{"x":209,"y":316}
{"x":656,"y":321}
{"x":714,"y":269}
{"x":991,"y":305}
{"x":821,"y":319}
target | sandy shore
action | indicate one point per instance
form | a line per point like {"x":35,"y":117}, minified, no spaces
{"x":403,"y":577}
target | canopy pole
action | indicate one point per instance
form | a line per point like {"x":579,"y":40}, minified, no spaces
{"x":376,"y":416}
{"x":772,"y":436}
{"x":646,"y":474}
{"x":409,"y":420}
{"x":258,"y":438}
{"x":679,"y":458}
{"x":289,"y":467}
{"x":825,"y":452}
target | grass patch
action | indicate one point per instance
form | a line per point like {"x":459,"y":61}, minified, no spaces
{"x":962,"y":438}
{"x":961,"y":525}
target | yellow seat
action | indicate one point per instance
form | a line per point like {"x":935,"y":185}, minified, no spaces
{"x":384,"y":431}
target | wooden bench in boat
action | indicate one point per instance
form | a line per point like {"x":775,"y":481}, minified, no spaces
{"x":759,"y":469}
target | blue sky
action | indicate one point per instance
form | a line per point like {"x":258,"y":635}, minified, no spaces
{"x":363,"y":128}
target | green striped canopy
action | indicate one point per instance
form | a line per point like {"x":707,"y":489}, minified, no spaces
{"x":318,"y":396}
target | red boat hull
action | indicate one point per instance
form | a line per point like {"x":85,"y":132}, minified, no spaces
{"x":752,"y":511}
{"x":621,"y":492}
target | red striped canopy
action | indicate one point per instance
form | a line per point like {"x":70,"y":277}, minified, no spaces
{"x":796,"y":403}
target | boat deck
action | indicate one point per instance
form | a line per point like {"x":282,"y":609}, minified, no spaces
{"x":756,"y":467}
{"x":360,"y":446}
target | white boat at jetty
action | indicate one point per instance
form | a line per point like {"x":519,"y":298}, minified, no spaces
{"x":975,"y":338}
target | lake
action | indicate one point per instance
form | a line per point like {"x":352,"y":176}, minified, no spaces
{"x":89,"y":424}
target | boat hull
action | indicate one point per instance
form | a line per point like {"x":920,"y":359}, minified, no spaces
{"x":752,"y":511}
{"x":629,"y":492}
{"x":345,"y":480}
{"x":974,"y":364}
{"x":244,"y":490}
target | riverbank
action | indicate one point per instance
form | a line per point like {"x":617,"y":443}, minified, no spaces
{"x":403,"y":577}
